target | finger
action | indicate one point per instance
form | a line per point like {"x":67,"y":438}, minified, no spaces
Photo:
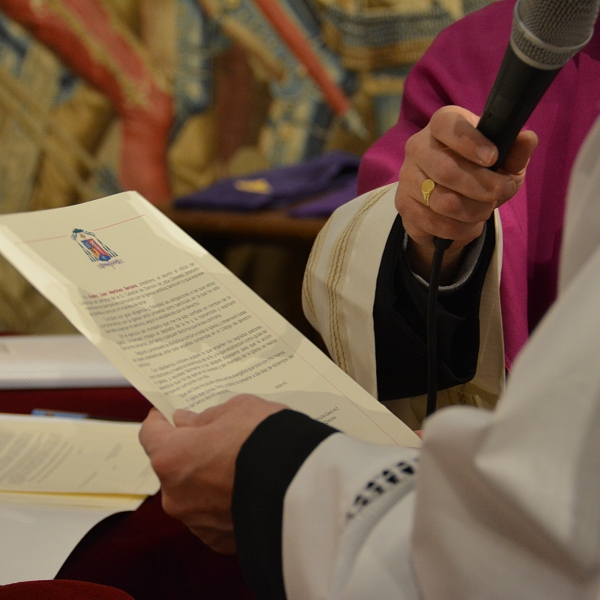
{"x":428,"y":158}
{"x":184,"y":418}
{"x":155,"y":418}
{"x":447,"y":203}
{"x":187,"y":418}
{"x":423,"y":223}
{"x":456,"y":128}
{"x":446,"y":208}
{"x":459,"y":211}
{"x":464,"y":177}
{"x":429,"y":224}
{"x":241,"y":405}
{"x":153,"y":430}
{"x":206,"y":417}
{"x":518,"y":157}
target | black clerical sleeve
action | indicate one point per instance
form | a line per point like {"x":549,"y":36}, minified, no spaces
{"x":400,"y":322}
{"x":265,"y":467}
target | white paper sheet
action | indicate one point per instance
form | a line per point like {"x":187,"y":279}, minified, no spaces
{"x":75,"y":456}
{"x":77,"y":472}
{"x":55,"y":361}
{"x":36,"y":540}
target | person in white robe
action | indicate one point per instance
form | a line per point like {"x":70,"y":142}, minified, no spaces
{"x":498,"y":504}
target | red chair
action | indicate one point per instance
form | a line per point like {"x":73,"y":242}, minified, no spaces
{"x":61,"y":590}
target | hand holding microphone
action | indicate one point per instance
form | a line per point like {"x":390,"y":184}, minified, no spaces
{"x":456,"y":156}
{"x":545,"y":35}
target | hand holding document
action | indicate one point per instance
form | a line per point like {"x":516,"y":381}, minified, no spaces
{"x":183,"y":329}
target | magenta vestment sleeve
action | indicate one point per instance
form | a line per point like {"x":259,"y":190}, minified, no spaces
{"x":459,"y":68}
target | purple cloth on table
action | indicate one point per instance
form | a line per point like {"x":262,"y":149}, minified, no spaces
{"x":278,"y":187}
{"x":532,"y":220}
{"x":324,"y":205}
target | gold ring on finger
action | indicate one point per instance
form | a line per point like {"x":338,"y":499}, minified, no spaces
{"x":426,"y":189}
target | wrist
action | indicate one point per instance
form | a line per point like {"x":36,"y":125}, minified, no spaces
{"x":420,"y":259}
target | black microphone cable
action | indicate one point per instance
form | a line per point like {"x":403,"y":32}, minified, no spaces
{"x":441,"y":245}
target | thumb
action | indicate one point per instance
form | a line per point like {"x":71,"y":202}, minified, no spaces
{"x":184,"y":418}
{"x":520,"y":153}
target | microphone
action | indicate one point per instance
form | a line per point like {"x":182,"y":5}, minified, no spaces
{"x":545,"y":35}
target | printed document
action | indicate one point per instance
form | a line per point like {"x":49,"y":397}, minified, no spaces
{"x":183,"y":329}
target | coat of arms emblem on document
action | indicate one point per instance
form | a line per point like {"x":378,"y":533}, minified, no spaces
{"x":92,"y":246}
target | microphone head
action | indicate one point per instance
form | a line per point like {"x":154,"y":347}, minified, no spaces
{"x":546,"y":34}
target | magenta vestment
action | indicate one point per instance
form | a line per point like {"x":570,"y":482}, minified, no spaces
{"x":459,"y":68}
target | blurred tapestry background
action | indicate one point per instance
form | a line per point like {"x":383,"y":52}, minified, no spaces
{"x":170,"y":96}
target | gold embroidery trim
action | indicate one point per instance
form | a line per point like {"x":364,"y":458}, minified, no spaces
{"x":337,"y":268}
